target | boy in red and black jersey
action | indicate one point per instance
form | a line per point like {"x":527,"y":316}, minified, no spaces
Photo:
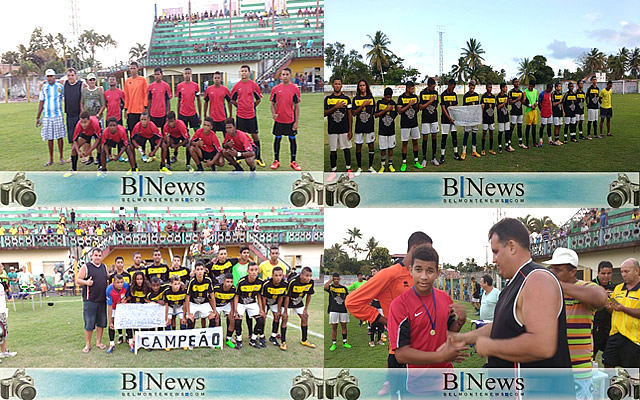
{"x":176,"y":136}
{"x":238,"y":145}
{"x":285,"y":109}
{"x":206,"y":147}
{"x":159,"y":99}
{"x":115,"y":136}
{"x":146,"y":131}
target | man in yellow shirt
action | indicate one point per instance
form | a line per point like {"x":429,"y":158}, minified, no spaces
{"x":266,"y":268}
{"x":623,"y":345}
{"x":1,"y":230}
{"x":13,"y":231}
{"x":606,"y":110}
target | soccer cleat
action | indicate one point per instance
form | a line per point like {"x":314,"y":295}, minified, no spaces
{"x":500,"y":151}
{"x":589,"y":137}
{"x":403,"y":167}
{"x":391,"y":169}
{"x":89,"y":161}
{"x":254,"y":344}
{"x":582,"y":137}
{"x":110,"y":349}
{"x":424,"y":163}
{"x":600,"y":136}
{"x":189,"y":168}
{"x":96,"y":162}
{"x":275,"y":165}
{"x":551,"y":142}
{"x":238,"y":344}
{"x":371,"y":170}
{"x":120,"y":340}
{"x":372,"y":344}
{"x":574,"y":140}
{"x":262,"y":343}
{"x":457,"y":157}
{"x":358,"y":172}
{"x":101,"y":174}
{"x":173,"y":160}
{"x":333,"y":347}
{"x":381,"y":170}
{"x":130,"y":171}
{"x":294,"y":165}
{"x":384,"y":337}
{"x":166,"y":170}
{"x":493,"y":152}
{"x":441,"y":159}
{"x":482,"y":153}
{"x":510,"y":149}
{"x":331,"y":176}
{"x":283,"y":346}
{"x":346,"y":345}
{"x":523,"y":146}
{"x":306,"y":343}
{"x":435,"y":162}
{"x":381,"y":343}
{"x":132,"y":347}
{"x":261,"y":163}
{"x":350,"y":174}
{"x":609,"y":134}
{"x":144,"y":157}
{"x":463,"y":156}
{"x":70,"y":173}
{"x":475,"y":154}
{"x":123,"y":159}
{"x":274,"y":341}
{"x":230,"y":344}
{"x":150,"y":159}
{"x":417,"y":165}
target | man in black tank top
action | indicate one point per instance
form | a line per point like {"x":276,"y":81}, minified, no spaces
{"x":531,"y":334}
{"x":93,"y":278}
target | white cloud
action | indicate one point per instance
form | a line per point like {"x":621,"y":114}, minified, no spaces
{"x":623,"y":23}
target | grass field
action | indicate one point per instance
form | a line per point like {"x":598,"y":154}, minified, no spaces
{"x":23,"y":148}
{"x":52,"y":337}
{"x":363,"y":356}
{"x":611,"y":154}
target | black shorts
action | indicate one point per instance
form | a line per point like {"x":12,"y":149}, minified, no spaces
{"x":142,"y":141}
{"x":621,"y":351}
{"x":95,"y":315}
{"x":176,"y":140}
{"x":132,"y":120}
{"x":159,"y":121}
{"x":254,"y":148}
{"x":600,"y":337}
{"x":247,"y":125}
{"x":191,"y":121}
{"x":113,"y":143}
{"x":280,"y":129}
{"x":85,"y":137}
{"x":208,"y":155}
{"x":606,"y":113}
{"x":218,"y":126}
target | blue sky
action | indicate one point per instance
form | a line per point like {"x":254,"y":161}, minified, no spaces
{"x":562,"y":33}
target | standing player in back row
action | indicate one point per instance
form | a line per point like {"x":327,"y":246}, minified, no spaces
{"x":362,"y":110}
{"x":448,"y":98}
{"x":606,"y":110}
{"x":386,"y":112}
{"x":136,"y":99}
{"x":408,"y":110}
{"x":488,"y":104}
{"x":246,"y":96}
{"x":593,"y":100}
{"x":285,"y":110}
{"x":580,"y":94}
{"x":516,"y":97}
{"x":336,"y":109}
{"x":159,"y":100}
{"x":502,"y":109}
{"x":470,"y":98}
{"x":429,"y":106}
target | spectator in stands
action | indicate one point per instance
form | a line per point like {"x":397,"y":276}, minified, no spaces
{"x":309,"y":43}
{"x":604,"y":222}
{"x":299,"y":12}
{"x":307,"y":24}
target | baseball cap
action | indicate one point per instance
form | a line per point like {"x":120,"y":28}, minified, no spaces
{"x":49,"y":72}
{"x":91,"y":76}
{"x":563,"y":255}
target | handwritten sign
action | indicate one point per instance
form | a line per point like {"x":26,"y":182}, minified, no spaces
{"x":466,"y":115}
{"x":133,"y":316}
{"x":206,"y":337}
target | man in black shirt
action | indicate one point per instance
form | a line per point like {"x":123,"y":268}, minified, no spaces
{"x":221,"y":265}
{"x":386,"y":112}
{"x":602,"y":317}
{"x":593,"y":102}
{"x":408,"y":110}
{"x":223,"y":295}
{"x":72,"y":96}
{"x":337,"y":108}
{"x":248,"y":298}
{"x":137,"y":265}
{"x":516,"y":99}
{"x":558,"y":113}
{"x":93,"y":278}
{"x":580,"y":108}
{"x":488,"y":104}
{"x":429,"y":107}
{"x":362,"y":110}
{"x":157,"y":268}
{"x":470,"y":98}
{"x":502,"y":109}
{"x":274,"y":291}
{"x":569,"y":106}
{"x":337,"y":310}
{"x":176,"y":269}
{"x":448,"y":98}
{"x":297,"y":290}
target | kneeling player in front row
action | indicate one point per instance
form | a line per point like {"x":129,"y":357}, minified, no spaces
{"x":146,"y":131}
{"x":274,"y":291}
{"x":223,"y":294}
{"x":199,"y":301}
{"x":205,"y":147}
{"x":238,"y":146}
{"x":176,"y":136}
{"x":115,"y":136}
{"x":116,"y":294}
{"x":298,"y":288}
{"x":174,"y":298}
{"x":248,"y":299}
{"x":88,"y":128}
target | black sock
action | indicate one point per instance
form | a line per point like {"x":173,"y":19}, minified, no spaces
{"x":283,"y":333}
{"x":229,"y":333}
{"x":274,"y":327}
{"x":371,"y":335}
{"x":520,"y":133}
{"x":465,"y":138}
{"x":434,"y":144}
{"x":347,"y":158}
{"x":404,"y":158}
{"x":293,"y":148}
{"x":490,"y":141}
{"x":344,"y":337}
{"x":533,"y":136}
{"x":250,"y":326}
{"x":238,"y":324}
{"x":484,"y":139}
{"x":588,"y":128}
{"x":188,"y":156}
{"x":566,"y":129}
{"x":372,"y":154}
{"x":258,"y":155}
{"x":507,"y":137}
{"x":200,"y":168}
{"x":443,"y":143}
{"x":276,"y":148}
{"x":424,"y":148}
{"x":190,"y":324}
{"x":415,"y":155}
{"x":454,"y":139}
{"x":380,"y":330}
{"x":333,"y":158}
{"x":74,"y":163}
{"x":580,"y":127}
{"x":212,"y":323}
{"x":112,"y":335}
{"x":499,"y":140}
{"x":304,"y":333}
{"x":259,"y":326}
{"x":359,"y":158}
{"x":541,"y":131}
{"x":527,"y":130}
{"x":474,"y":138}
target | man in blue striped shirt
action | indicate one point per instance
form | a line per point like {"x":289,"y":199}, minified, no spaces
{"x":52,"y":122}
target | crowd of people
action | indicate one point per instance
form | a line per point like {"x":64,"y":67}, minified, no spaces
{"x":247,"y":16}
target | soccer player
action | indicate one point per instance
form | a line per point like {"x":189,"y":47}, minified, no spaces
{"x":240,"y":268}
{"x":285,"y":110}
{"x":88,"y":128}
{"x":503,"y":119}
{"x":119,"y":264}
{"x":593,"y":101}
{"x":362,"y":110}
{"x":488,"y":104}
{"x":238,"y":146}
{"x":267,"y":267}
{"x":159,"y":99}
{"x":146,"y":131}
{"x":221,"y":266}
{"x":516,"y":97}
{"x":136,"y":99}
{"x":606,"y":110}
{"x":530,"y":97}
{"x":156,"y":292}
{"x":297,"y":290}
{"x":558,"y":112}
{"x":199,"y":300}
{"x":337,"y":310}
{"x":176,"y":269}
{"x":50,"y":98}
{"x":205,"y":147}
{"x":92,"y":100}
{"x":115,"y":100}
{"x":336,"y":108}
{"x":157,"y":268}
{"x":174,"y":298}
{"x":176,"y":136}
{"x":569,"y":101}
{"x":248,"y":299}
{"x":448,"y":98}
{"x":139,"y":288}
{"x":246,"y":96}
{"x":469,"y":99}
{"x":580,"y":94}
{"x":274,"y":291}
{"x":386,"y":113}
{"x":223,"y":295}
{"x":429,"y":107}
{"x":187,"y":92}
{"x":408,"y":110}
{"x":115,"y":136}
{"x":359,"y":282}
{"x":116,"y":294}
{"x":546,"y":113}
{"x":214,"y":102}
{"x":137,"y":265}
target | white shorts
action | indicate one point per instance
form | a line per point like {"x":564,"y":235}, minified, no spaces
{"x":335,"y":317}
{"x":226,"y":309}
{"x":516,"y":119}
{"x":428,"y":128}
{"x":475,"y":300}
{"x":557,"y":121}
{"x":579,"y":117}
{"x":200,"y":310}
{"x":546,"y":120}
{"x":471,"y":128}
{"x":503,"y":126}
{"x":274,"y":308}
{"x":339,"y":141}
{"x":446,"y":128}
{"x":386,"y":142}
{"x":252,"y":309}
{"x":409,"y":133}
{"x":593,"y":114}
{"x":299,"y":310}
{"x":175,"y":311}
{"x":359,"y":138}
{"x":569,"y":120}
{"x":490,"y":127}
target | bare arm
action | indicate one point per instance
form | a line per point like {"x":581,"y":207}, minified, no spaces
{"x":450,"y":350}
{"x":594,"y":296}
{"x":296,"y":110}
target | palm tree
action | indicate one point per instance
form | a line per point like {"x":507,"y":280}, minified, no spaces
{"x":595,"y":61}
{"x":352,"y":241}
{"x":472,"y":55}
{"x":634,"y":63}
{"x":527,"y":221}
{"x":138,"y":52}
{"x":89,"y":41}
{"x":371,"y":245}
{"x":379,"y":55}
{"x":617,"y":66}
{"x":61,"y":42}
{"x":460,"y":71}
{"x":525,"y":69}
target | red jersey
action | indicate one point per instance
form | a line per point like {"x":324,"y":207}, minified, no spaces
{"x":546,"y":109}
{"x":115,"y":103}
{"x":115,"y":296}
{"x":187,"y":92}
{"x":147,"y":132}
{"x":209,"y":142}
{"x":179,"y":130}
{"x":241,"y":141}
{"x":285,"y":97}
{"x":245,"y":94}
{"x":119,"y":136}
{"x":159,"y":93}
{"x":216,"y":96}
{"x":92,"y":130}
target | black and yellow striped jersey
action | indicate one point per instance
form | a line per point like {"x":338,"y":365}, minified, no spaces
{"x":157,"y":296}
{"x":175,"y":298}
{"x":296,"y":291}
{"x":181,"y":272}
{"x":199,"y":291}
{"x":161,"y":271}
{"x":273,"y":292}
{"x":247,"y":291}
{"x":125,"y":276}
{"x":137,"y":295}
{"x":222,"y":296}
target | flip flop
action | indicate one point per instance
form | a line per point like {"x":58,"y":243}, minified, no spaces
{"x":62,"y":161}
{"x":48,"y":164}
{"x":86,"y":349}
{"x":101,"y":346}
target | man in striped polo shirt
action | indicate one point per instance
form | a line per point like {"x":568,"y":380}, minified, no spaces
{"x":53,"y":122}
{"x":581,"y":300}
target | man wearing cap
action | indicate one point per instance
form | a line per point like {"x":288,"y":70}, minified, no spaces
{"x":581,"y":299}
{"x":92,"y":100}
{"x":623,"y":346}
{"x":52,"y":122}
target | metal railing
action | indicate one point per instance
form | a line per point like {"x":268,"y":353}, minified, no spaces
{"x":214,"y":58}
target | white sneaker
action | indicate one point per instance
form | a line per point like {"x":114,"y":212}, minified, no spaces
{"x":424,"y":163}
{"x":373,"y":171}
{"x":8,"y":354}
{"x":358,"y":172}
{"x":435,"y":162}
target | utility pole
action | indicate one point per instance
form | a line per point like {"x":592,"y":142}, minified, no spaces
{"x":441,"y":58}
